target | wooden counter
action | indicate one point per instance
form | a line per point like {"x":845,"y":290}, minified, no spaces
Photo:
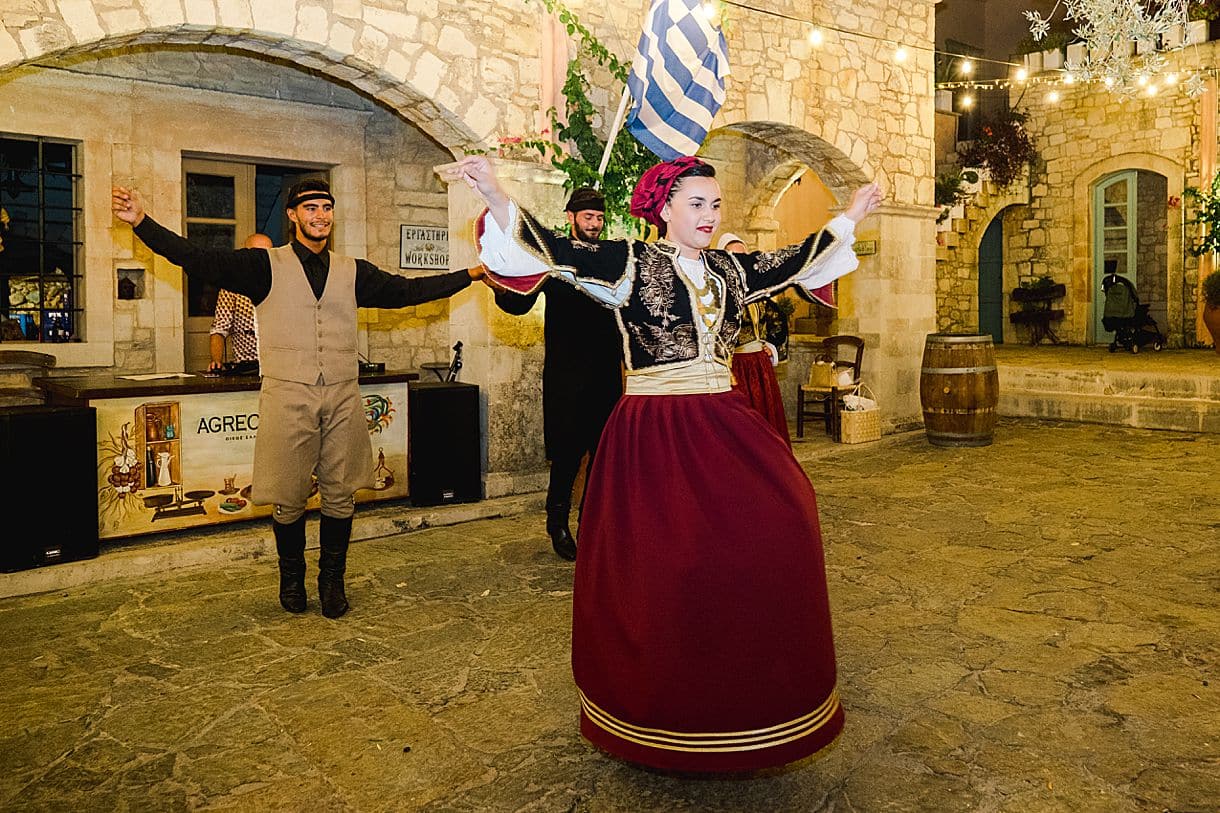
{"x":179,"y":452}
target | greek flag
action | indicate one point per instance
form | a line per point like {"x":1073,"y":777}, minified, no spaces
{"x":677,"y":79}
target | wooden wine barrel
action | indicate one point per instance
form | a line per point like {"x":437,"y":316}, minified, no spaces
{"x":959,"y":389}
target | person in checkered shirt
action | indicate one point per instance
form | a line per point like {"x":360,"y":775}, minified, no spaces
{"x":234,"y":320}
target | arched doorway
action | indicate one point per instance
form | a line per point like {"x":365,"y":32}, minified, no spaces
{"x":1130,"y":218}
{"x":991,"y":280}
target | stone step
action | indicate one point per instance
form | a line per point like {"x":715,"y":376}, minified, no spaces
{"x":21,"y":396}
{"x":16,"y":378}
{"x":1141,"y":399}
{"x":1148,"y":384}
{"x":1177,"y":414}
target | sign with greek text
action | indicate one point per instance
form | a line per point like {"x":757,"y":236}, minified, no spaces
{"x":424,"y":247}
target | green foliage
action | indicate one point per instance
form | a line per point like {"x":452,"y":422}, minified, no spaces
{"x":1207,"y":217}
{"x":1056,"y":40}
{"x":787,"y":307}
{"x":1203,"y":10}
{"x":1211,"y":289}
{"x":628,"y":157}
{"x":1003,"y":146}
{"x":1039,"y":284}
{"x":949,"y":188}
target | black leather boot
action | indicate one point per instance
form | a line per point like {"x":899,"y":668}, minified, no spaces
{"x":334,"y":534}
{"x":557,"y":528}
{"x":290,"y":546}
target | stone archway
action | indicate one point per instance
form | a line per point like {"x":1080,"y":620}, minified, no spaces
{"x":890,"y":300}
{"x":757,"y":161}
{"x":1080,"y":285}
{"x":401,"y":60}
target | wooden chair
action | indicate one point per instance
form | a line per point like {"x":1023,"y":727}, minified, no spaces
{"x":812,"y":401}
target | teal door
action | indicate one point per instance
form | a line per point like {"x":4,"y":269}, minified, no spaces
{"x":1113,"y":238}
{"x":991,"y":281}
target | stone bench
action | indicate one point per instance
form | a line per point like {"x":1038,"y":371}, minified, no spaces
{"x":18,"y":369}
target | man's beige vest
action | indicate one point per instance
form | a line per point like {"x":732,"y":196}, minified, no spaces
{"x":300,"y":337}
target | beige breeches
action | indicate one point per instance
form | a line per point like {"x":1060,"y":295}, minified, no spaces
{"x":306,"y":429}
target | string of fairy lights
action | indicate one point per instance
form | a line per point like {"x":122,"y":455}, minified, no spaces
{"x":1147,"y":74}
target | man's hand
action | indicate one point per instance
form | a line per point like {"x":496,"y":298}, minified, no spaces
{"x":864,"y":202}
{"x":127,"y":204}
{"x":476,"y":273}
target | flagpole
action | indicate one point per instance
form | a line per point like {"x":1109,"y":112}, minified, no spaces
{"x":618,"y":123}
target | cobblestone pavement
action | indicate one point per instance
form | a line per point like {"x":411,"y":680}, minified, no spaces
{"x":1028,"y":626}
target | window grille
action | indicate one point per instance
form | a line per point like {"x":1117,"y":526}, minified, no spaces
{"x":40,"y":246}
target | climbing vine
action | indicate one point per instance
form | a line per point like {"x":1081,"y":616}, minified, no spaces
{"x":628,"y":157}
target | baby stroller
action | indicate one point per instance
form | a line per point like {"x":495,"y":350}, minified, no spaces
{"x":1126,"y":316}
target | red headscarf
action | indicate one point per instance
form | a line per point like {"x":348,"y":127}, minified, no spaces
{"x":654,"y":186}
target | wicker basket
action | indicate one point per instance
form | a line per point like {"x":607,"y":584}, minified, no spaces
{"x":860,"y":426}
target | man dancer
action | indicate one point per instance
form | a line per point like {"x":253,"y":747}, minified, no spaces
{"x":234,"y":321}
{"x":581,"y":374}
{"x":312,"y":418}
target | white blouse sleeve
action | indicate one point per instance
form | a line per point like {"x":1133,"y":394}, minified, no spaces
{"x":503,"y":255}
{"x":839,"y":263}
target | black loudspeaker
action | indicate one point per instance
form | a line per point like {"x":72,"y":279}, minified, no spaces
{"x":443,"y":442}
{"x":49,"y":477}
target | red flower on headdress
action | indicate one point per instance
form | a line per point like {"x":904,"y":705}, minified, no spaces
{"x":652,"y":191}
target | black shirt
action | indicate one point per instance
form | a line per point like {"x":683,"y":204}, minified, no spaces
{"x":247,"y":271}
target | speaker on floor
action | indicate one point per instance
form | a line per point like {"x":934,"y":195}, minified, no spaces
{"x":48,"y":485}
{"x":443,"y":443}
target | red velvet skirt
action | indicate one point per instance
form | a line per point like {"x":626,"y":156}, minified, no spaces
{"x":701,"y":635}
{"x":755,"y":377}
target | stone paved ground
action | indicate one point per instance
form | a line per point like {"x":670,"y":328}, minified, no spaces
{"x":1030,"y":626}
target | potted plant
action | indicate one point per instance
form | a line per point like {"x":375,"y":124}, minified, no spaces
{"x":1030,"y":51}
{"x":1207,"y":216}
{"x":1211,"y":307}
{"x":1052,"y":49}
{"x":1199,"y":14}
{"x":1003,"y":148}
{"x":950,"y":193}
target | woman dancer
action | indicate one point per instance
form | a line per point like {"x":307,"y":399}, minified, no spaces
{"x":701,"y":634}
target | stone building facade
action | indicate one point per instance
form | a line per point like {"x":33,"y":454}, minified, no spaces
{"x":379,"y":93}
{"x":1092,"y":146}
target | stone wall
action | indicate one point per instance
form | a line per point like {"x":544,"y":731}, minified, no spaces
{"x":1150,"y":259}
{"x":466,"y":72}
{"x":1091,"y":134}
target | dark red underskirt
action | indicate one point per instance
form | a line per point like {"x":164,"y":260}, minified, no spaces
{"x":755,"y":377}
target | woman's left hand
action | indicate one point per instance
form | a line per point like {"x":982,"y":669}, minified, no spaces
{"x":865,"y":201}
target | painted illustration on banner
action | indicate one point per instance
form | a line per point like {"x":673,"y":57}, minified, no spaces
{"x":167,"y":464}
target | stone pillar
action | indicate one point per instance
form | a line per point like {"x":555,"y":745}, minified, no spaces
{"x":503,"y":354}
{"x":890,"y":301}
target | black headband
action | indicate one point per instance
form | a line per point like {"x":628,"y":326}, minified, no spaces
{"x":311,"y":194}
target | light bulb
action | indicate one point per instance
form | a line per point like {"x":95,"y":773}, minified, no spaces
{"x":1171,"y":79}
{"x":1141,"y":80}
{"x":1053,"y":97}
{"x":816,"y":37}
{"x":1069,"y":79}
{"x":1151,"y":89}
{"x":900,"y":54}
{"x":966,"y":67}
{"x":1022,"y":74}
{"x":967,"y":101}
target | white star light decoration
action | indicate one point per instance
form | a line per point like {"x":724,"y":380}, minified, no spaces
{"x":1109,"y":30}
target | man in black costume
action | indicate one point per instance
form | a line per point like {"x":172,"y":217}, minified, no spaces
{"x":581,"y":374}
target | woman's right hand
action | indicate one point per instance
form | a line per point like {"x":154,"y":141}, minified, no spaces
{"x":479,"y":174}
{"x":864,"y":202}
